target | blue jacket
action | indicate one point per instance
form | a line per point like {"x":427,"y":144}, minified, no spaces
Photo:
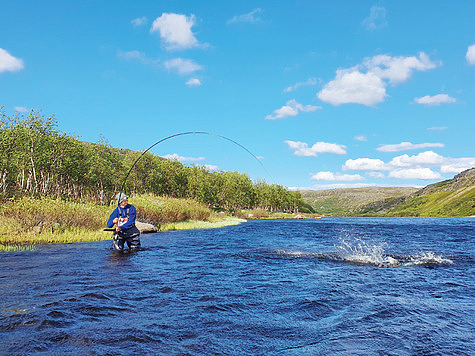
{"x":128,"y":229}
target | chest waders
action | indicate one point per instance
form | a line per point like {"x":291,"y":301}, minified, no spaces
{"x":131,"y":236}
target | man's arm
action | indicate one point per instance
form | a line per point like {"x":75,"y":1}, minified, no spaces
{"x":114,"y":215}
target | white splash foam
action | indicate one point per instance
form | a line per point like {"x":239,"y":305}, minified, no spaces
{"x":427,"y":258}
{"x":358,"y":250}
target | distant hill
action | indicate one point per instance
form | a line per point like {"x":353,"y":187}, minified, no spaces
{"x":349,"y":200}
{"x":453,"y":197}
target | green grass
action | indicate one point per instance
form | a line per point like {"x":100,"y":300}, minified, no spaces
{"x":448,"y":203}
{"x":191,"y":225}
{"x":16,"y":248}
{"x":159,"y":210}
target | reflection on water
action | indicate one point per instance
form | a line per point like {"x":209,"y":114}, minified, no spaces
{"x":264,"y":287}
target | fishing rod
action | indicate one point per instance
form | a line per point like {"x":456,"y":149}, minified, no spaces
{"x":182,"y":134}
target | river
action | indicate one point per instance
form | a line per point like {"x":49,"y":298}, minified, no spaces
{"x":340,"y":286}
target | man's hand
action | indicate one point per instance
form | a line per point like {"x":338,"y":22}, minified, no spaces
{"x":117,"y":229}
{"x":115,"y":221}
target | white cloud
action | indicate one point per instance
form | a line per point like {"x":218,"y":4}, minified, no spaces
{"x":398,"y":69}
{"x":470,"y":56}
{"x":182,"y":66}
{"x":291,"y":108}
{"x":139,"y":21}
{"x":8,"y":63}
{"x":193,"y":82}
{"x":376,"y":18}
{"x":435,"y":100}
{"x":366,"y":83}
{"x":335,"y":186}
{"x":361,"y":138}
{"x":457,"y":165}
{"x":365,"y":164}
{"x":302,"y":148}
{"x":175,"y":31}
{"x":251,"y":17}
{"x":310,"y":81}
{"x":353,"y":87}
{"x":210,"y":167}
{"x":20,"y":109}
{"x":411,"y":167}
{"x":177,"y":157}
{"x":424,"y":158}
{"x":404,"y":146}
{"x":414,"y":173}
{"x":329,"y":176}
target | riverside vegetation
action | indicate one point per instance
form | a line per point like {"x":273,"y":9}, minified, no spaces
{"x":57,"y":188}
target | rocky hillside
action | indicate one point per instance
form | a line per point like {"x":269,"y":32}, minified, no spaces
{"x":453,"y":197}
{"x":348,"y":201}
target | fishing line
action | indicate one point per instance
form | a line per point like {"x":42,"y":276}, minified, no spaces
{"x":182,"y":134}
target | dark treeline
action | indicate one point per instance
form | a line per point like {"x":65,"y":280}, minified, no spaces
{"x":38,"y":160}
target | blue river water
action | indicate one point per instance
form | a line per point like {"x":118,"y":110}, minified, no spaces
{"x":340,"y":286}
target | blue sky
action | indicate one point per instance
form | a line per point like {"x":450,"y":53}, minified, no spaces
{"x":326,"y":94}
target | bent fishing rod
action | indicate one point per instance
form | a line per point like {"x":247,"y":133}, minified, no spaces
{"x":183,"y":134}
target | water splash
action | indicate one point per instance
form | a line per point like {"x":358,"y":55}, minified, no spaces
{"x":366,"y":251}
{"x":358,"y":250}
{"x":427,"y":258}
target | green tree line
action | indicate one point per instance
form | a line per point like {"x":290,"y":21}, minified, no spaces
{"x":37,"y":160}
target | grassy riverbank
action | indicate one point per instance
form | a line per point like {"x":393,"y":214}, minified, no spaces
{"x":29,"y":221}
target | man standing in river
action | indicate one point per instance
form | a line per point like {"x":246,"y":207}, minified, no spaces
{"x":124,"y":218}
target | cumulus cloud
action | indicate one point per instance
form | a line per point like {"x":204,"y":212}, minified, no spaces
{"x":302,"y":148}
{"x":398,"y":69}
{"x":353,"y":87}
{"x":376,"y":18}
{"x":457,"y":165}
{"x":329,"y":176}
{"x":291,"y":108}
{"x":424,"y":158}
{"x":411,"y":167}
{"x":366,"y":83}
{"x":139,"y":21}
{"x":9,"y":63}
{"x":365,"y":164}
{"x":182,"y":66}
{"x":404,"y":146}
{"x":175,"y":31}
{"x":414,"y":173}
{"x":20,"y":109}
{"x":251,"y":17}
{"x":435,"y":100}
{"x":310,"y":81}
{"x":470,"y":56}
{"x":177,"y":157}
{"x":193,"y":82}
